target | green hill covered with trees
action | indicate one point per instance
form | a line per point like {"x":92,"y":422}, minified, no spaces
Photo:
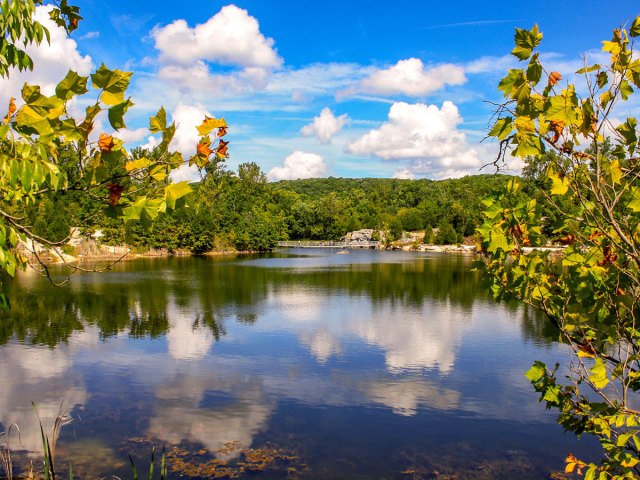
{"x":241,"y":210}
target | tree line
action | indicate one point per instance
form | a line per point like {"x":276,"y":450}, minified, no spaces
{"x":241,"y":210}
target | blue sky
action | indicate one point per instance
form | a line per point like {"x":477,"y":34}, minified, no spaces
{"x":333,"y":88}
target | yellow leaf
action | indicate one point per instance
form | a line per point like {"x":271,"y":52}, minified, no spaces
{"x":211,"y":123}
{"x":137,"y":164}
{"x":559,"y":186}
{"x":616,"y":171}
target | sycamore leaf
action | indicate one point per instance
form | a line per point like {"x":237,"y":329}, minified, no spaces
{"x":72,"y":84}
{"x":134,"y":211}
{"x":203,"y":149}
{"x":625,"y":90}
{"x":176,"y":191}
{"x":105,"y":143}
{"x":526,"y":41}
{"x":137,"y":164}
{"x":634,"y":31}
{"x":536,"y":372}
{"x":159,"y":122}
{"x":209,"y":124}
{"x":115,"y":191}
{"x":158,"y":173}
{"x":634,"y":204}
{"x":222,"y":150}
{"x":592,"y":68}
{"x":11,"y":110}
{"x":616,"y":171}
{"x":559,"y":186}
{"x":599,"y":374}
{"x":554,"y":77}
{"x":112,"y":81}
{"x":602,"y":79}
{"x":502,"y":128}
{"x":534,"y":70}
{"x":116,"y":114}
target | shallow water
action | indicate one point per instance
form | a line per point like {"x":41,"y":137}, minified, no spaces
{"x":367,"y":365}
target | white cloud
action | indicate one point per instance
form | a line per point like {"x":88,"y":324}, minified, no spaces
{"x":492,"y":64}
{"x":324,"y":126}
{"x":404,"y":173}
{"x":299,"y":165}
{"x":51,"y":62}
{"x":131,"y":136}
{"x":187,"y":118}
{"x":230,"y":37}
{"x":424,"y":134}
{"x":411,"y":77}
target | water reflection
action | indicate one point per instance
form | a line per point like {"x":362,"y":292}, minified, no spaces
{"x":311,"y":351}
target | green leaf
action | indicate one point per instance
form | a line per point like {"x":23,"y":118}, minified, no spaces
{"x":159,"y":122}
{"x":592,"y":68}
{"x":634,"y":31}
{"x":134,"y":211}
{"x":526,"y":41}
{"x":534,"y":70}
{"x":113,"y":81}
{"x":602,"y":79}
{"x":502,"y":128}
{"x":72,"y":84}
{"x":116,"y":114}
{"x":175,"y":191}
{"x":625,"y":90}
{"x":628,"y":132}
{"x":634,"y":204}
{"x":536,"y":372}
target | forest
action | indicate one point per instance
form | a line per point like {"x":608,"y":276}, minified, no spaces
{"x":241,"y":210}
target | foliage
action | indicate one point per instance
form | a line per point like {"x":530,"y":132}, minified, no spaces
{"x":19,"y":29}
{"x":587,"y":177}
{"x":47,"y":153}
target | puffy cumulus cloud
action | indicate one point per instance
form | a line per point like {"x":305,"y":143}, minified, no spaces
{"x":51,"y":61}
{"x":186,"y":118}
{"x":411,"y":77}
{"x":324,"y":126}
{"x":231,"y":37}
{"x":424,"y":135}
{"x":299,"y":165}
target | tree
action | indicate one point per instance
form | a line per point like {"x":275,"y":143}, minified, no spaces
{"x":19,"y":29}
{"x":591,"y":292}
{"x":46,"y":152}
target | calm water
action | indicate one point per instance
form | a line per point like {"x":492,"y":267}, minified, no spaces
{"x":368,"y":365}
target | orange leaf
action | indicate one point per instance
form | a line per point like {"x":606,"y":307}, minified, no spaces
{"x":222,"y":131}
{"x":105,"y":143}
{"x":115,"y":191}
{"x":203,"y":149}
{"x":222,"y":149}
{"x":557,"y":126}
{"x":554,"y":77}
{"x":12,"y":110}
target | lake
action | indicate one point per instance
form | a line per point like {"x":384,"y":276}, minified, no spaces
{"x":295,"y":364}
